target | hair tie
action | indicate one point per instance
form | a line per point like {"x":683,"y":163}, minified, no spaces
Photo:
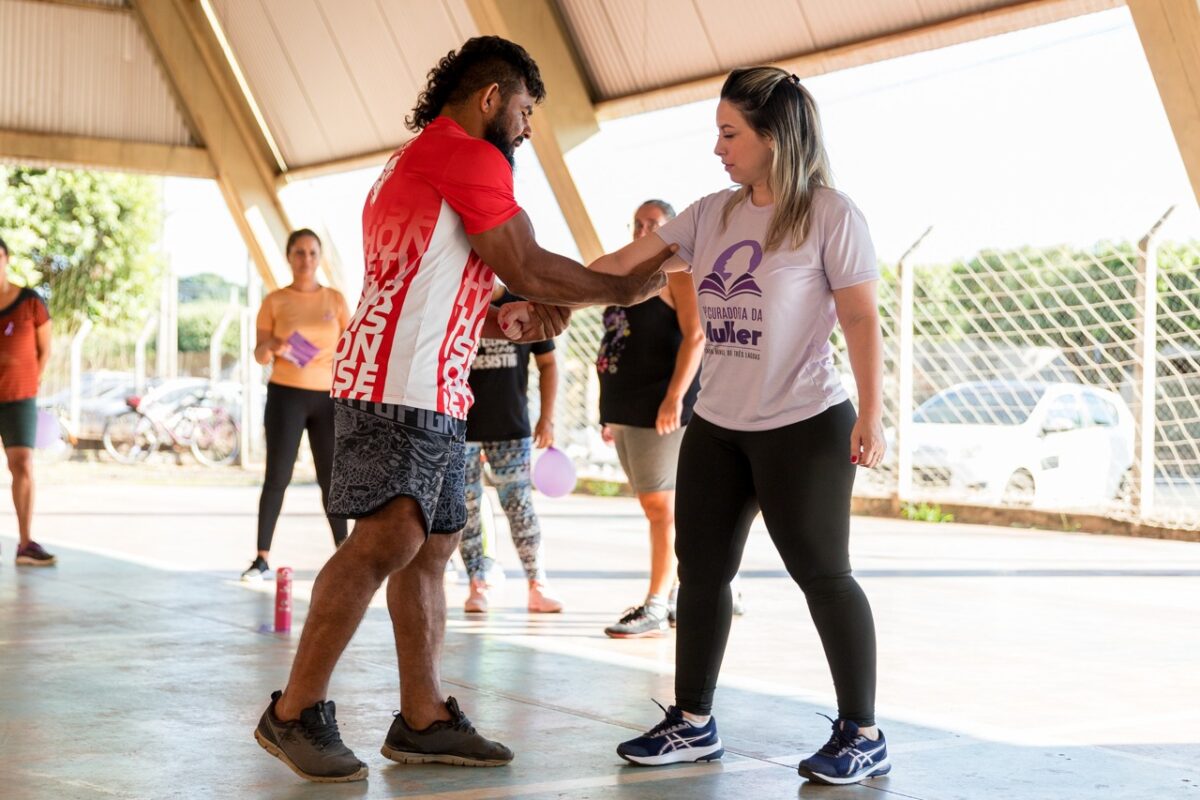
{"x":794,"y":79}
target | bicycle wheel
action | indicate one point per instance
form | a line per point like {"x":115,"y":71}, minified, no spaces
{"x":130,"y":438}
{"x":216,"y":441}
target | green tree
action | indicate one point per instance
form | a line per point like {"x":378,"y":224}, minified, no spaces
{"x":85,"y":239}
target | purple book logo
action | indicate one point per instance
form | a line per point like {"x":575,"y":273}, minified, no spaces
{"x":723,"y":283}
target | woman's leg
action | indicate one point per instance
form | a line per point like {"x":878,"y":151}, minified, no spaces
{"x":320,"y":441}
{"x":804,"y":478}
{"x":659,"y":508}
{"x":714,"y":506}
{"x":470,"y":547}
{"x":283,"y":424}
{"x":510,"y":463}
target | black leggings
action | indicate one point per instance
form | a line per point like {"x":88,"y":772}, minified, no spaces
{"x":289,"y":413}
{"x":801,"y":477}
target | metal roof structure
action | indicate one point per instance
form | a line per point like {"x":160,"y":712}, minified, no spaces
{"x":258,"y":92}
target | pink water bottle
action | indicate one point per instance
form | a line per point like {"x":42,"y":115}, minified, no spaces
{"x":283,"y":600}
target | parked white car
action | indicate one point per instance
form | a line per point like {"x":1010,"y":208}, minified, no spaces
{"x":1047,"y":445}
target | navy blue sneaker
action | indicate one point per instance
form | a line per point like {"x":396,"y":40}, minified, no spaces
{"x":672,"y":741}
{"x":848,"y":756}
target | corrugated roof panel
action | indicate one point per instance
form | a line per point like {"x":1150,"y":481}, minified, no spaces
{"x":601,"y":52}
{"x":464,"y":23}
{"x":661,"y":42}
{"x":938,"y":10}
{"x":377,"y":67}
{"x":755,"y":33}
{"x":425,"y":32}
{"x":83,"y":72}
{"x":272,"y":81}
{"x":316,"y":59}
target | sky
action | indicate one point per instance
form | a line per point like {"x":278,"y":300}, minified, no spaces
{"x":1045,"y":136}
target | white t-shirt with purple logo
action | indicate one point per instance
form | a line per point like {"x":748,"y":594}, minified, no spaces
{"x":767,"y":316}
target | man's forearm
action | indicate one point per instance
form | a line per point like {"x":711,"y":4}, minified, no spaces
{"x":557,"y":280}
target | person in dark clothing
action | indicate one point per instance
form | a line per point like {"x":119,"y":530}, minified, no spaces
{"x":648,"y":365}
{"x":498,"y":428}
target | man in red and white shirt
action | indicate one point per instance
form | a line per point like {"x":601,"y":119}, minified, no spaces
{"x":439,"y":226}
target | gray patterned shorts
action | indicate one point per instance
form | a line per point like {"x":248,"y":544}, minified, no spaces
{"x":383,"y":451}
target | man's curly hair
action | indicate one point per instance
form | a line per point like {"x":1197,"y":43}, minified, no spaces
{"x":480,"y":61}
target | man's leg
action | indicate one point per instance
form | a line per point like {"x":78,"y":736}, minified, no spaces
{"x":20,"y":464}
{"x":417,"y":603}
{"x":381,"y":544}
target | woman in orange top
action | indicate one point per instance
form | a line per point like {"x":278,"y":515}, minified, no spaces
{"x":298,"y":329}
{"x":24,"y":351}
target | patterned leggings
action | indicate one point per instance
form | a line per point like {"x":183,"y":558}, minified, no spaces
{"x":510,"y":465}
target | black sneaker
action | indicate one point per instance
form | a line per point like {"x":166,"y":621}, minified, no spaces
{"x":34,"y":555}
{"x":258,"y":570}
{"x":311,"y":745}
{"x":451,"y":741}
{"x":642,"y":622}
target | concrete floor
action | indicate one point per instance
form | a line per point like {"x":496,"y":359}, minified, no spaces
{"x":1013,"y":664}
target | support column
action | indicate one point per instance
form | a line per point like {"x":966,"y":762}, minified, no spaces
{"x":1170,"y":34}
{"x":567,"y":118}
{"x":211,"y":101}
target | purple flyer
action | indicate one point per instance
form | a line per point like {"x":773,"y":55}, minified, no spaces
{"x":301,"y":350}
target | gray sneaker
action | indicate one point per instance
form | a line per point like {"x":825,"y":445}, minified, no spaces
{"x":444,"y":742}
{"x":311,"y":746}
{"x":642,"y":622}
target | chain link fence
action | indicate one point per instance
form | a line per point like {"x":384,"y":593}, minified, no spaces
{"x":1056,"y":378}
{"x":1015,"y":377}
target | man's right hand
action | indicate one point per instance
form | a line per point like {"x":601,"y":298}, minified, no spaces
{"x":647,"y":278}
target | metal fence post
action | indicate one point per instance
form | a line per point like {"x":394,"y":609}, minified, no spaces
{"x":139,"y":355}
{"x":214,"y":344}
{"x":1145,"y":370}
{"x":905,"y":363}
{"x":253,"y":373}
{"x":77,"y":371}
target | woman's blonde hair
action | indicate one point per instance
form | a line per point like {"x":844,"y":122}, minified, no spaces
{"x":777,"y":106}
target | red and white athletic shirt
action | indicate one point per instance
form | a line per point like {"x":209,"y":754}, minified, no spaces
{"x":425,"y":292}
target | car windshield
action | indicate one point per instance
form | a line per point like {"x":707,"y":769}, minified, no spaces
{"x":981,"y":405}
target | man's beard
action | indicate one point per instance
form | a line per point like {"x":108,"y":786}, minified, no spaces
{"x":495,"y":133}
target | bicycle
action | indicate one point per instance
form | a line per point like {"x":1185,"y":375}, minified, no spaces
{"x":208,"y":431}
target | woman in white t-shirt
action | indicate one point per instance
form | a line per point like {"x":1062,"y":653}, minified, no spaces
{"x":776,"y":264}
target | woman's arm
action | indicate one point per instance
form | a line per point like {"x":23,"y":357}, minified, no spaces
{"x":44,"y":336}
{"x":691,"y":350}
{"x":267,"y":346}
{"x":858,"y":314}
{"x":636,"y":252}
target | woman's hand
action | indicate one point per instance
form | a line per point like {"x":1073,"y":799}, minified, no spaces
{"x":532,"y":322}
{"x":669,"y":414}
{"x":606,"y":435}
{"x":867,"y":444}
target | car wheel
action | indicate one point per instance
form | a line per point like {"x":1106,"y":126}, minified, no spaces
{"x":1020,"y":490}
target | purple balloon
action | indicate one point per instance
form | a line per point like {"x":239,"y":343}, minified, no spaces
{"x":553,"y":473}
{"x":47,"y":430}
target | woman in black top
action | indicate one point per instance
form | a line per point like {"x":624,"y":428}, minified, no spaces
{"x":498,"y":428}
{"x":648,"y":365}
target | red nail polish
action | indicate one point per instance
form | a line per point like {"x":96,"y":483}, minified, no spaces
{"x":853,"y":459}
